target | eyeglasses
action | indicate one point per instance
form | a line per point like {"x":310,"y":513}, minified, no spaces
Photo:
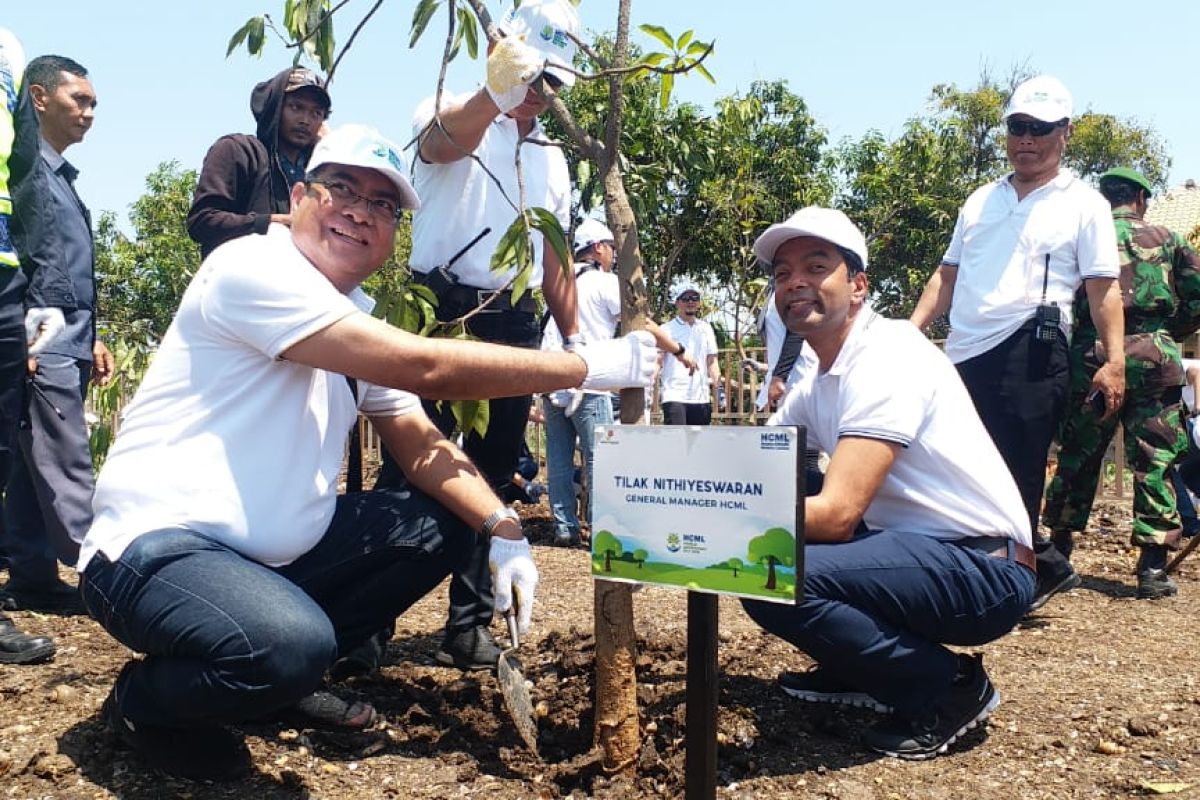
{"x":346,"y":197}
{"x":690,"y":298}
{"x":1020,"y":127}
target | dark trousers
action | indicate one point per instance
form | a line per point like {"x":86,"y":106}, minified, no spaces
{"x":1019,"y":388}
{"x":687,"y":413}
{"x":877,"y":610}
{"x":48,"y":504}
{"x":12,"y":370}
{"x":228,"y":639}
{"x":495,"y":454}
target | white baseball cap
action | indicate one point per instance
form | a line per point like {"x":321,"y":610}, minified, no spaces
{"x":548,"y":26}
{"x":363,"y":146}
{"x":591,"y":231}
{"x":1042,"y":97}
{"x":823,"y":223}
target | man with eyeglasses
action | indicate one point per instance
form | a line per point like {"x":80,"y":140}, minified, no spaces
{"x":221,"y":548}
{"x":1021,"y":248}
{"x":246,"y":181}
{"x":466,"y":173}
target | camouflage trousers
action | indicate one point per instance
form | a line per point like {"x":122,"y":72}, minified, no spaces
{"x":1154,"y":438}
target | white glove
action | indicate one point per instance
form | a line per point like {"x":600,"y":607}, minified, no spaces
{"x":619,"y":363}
{"x":513,"y":571}
{"x":560,"y":398}
{"x":511,"y":67}
{"x":575,"y":399}
{"x":42,"y":326}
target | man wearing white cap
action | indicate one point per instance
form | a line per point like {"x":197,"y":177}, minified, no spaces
{"x":685,"y":391}
{"x":915,"y":536}
{"x":466,"y":175}
{"x":241,"y":581}
{"x":570,"y":416}
{"x":1021,"y":248}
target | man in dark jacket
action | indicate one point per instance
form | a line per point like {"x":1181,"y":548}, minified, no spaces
{"x":246,"y":180}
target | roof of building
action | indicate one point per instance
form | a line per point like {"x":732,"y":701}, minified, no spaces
{"x":1177,"y":209}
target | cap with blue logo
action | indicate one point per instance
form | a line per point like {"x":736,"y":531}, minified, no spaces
{"x":363,"y":146}
{"x":548,"y":26}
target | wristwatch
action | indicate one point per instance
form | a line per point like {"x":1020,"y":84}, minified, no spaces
{"x":682,"y":349}
{"x":502,"y":513}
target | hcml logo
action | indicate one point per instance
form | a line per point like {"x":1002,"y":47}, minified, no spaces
{"x":673,"y":542}
{"x":773,"y":441}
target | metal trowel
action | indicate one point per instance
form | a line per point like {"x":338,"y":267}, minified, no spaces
{"x":512,"y":686}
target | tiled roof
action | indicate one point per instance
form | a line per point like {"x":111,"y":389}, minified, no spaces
{"x":1178,"y":209}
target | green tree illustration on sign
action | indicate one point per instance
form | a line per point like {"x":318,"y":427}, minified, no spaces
{"x":775,"y":546}
{"x":639,"y":556}
{"x":734,"y":564}
{"x":605,"y":542}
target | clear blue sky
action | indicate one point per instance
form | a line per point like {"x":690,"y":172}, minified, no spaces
{"x":167,"y":91}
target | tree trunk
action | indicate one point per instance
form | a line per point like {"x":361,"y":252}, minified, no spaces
{"x":770,"y":572}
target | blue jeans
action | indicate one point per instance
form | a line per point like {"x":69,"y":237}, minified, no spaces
{"x":228,"y":639}
{"x":561,"y":434}
{"x":878,"y":608}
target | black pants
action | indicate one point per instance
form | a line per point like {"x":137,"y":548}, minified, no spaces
{"x":1020,"y":392}
{"x":495,"y":454}
{"x":687,"y":413}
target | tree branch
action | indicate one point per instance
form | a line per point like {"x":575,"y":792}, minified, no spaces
{"x":346,"y":47}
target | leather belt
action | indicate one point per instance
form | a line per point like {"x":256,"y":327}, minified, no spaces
{"x":1003,"y":547}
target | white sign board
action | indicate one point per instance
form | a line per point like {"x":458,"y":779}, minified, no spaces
{"x":712,"y":509}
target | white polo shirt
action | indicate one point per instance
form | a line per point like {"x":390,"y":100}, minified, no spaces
{"x":700,"y":342}
{"x":1000,"y":246}
{"x":224,"y":438}
{"x":891,"y":383}
{"x":459,"y":199}
{"x":598,"y":305}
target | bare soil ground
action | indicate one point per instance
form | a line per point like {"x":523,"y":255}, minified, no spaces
{"x":1101,"y":699}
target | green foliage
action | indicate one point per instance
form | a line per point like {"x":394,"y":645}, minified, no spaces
{"x":131,"y":360}
{"x":605,"y":542}
{"x":640,"y":556}
{"x":141,"y":278}
{"x":307,"y":23}
{"x":1102,"y":141}
{"x":774,"y":545}
{"x":686,"y":54}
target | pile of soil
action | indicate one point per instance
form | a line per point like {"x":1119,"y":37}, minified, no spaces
{"x":1100,"y":699}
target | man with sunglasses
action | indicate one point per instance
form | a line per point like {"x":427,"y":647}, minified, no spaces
{"x":221,"y":548}
{"x":685,"y":392}
{"x":1021,"y":248}
{"x":467,"y":176}
{"x":1161,"y":273}
{"x":246,"y":181}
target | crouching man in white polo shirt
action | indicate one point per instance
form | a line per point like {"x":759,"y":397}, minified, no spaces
{"x":917,"y":537}
{"x":221,"y":548}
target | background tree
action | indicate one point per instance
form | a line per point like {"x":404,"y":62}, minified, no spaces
{"x":604,"y":542}
{"x":639,"y":556}
{"x":774,"y":546}
{"x":734,"y":564}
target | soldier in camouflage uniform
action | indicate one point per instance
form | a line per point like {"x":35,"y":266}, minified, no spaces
{"x":1160,"y":289}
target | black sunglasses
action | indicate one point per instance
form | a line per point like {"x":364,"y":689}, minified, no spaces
{"x":1020,"y":127}
{"x":689,"y":298}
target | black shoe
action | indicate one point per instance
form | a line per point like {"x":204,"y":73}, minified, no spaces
{"x":363,"y":659}
{"x":967,"y":703}
{"x":472,"y":649}
{"x":818,"y":686}
{"x":57,"y":597}
{"x":1153,"y":580}
{"x":21,"y":648}
{"x":205,"y":753}
{"x":567,"y":539}
{"x":1046,"y":589}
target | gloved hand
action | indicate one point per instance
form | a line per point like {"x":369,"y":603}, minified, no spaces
{"x":511,"y":67}
{"x":572,"y":341}
{"x":513,"y":571}
{"x":560,"y":398}
{"x":575,"y":398}
{"x":619,"y":363}
{"x":42,"y":326}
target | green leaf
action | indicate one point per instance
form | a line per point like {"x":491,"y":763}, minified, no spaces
{"x":664,"y":95}
{"x":521,"y":283}
{"x":683,"y":39}
{"x":257,"y":36}
{"x":652,"y":59}
{"x":696,"y":48}
{"x":704,"y":71}
{"x":505,"y":254}
{"x":240,"y":36}
{"x":660,"y":33}
{"x":551,"y":229}
{"x":421,"y":16}
{"x":466,"y":21}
